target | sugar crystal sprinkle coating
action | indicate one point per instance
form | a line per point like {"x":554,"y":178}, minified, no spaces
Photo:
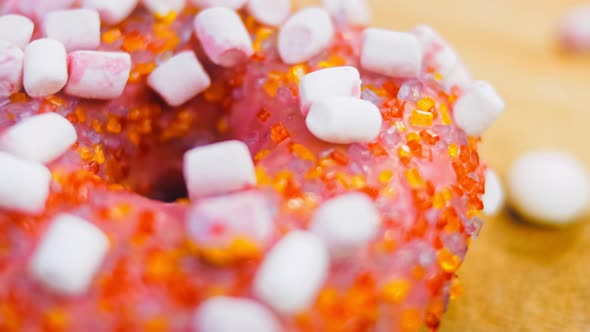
{"x":202,"y":192}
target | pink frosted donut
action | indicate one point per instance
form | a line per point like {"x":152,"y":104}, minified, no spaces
{"x":338,"y":192}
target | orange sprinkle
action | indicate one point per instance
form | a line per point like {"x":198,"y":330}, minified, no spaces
{"x":215,"y":92}
{"x":85,"y":153}
{"x":243,"y":248}
{"x":167,"y":18}
{"x":377,"y":149}
{"x":411,"y":320}
{"x":302,"y":152}
{"x":261,"y":155}
{"x":99,"y":154}
{"x":55,"y":320}
{"x":278,"y":133}
{"x":456,"y":288}
{"x":113,"y":125}
{"x":448,"y":261}
{"x":400,"y":126}
{"x":96,"y":126}
{"x":421,"y":118}
{"x":111,"y":36}
{"x":56,"y":101}
{"x":133,"y":42}
{"x":263,"y":115}
{"x":222,"y":125}
{"x":80,"y":114}
{"x":395,"y":290}
{"x":297,"y":72}
{"x":19,"y":97}
{"x":262,"y":34}
{"x":262,"y":177}
{"x":334,"y":60}
{"x":429,"y":136}
{"x":157,"y":324}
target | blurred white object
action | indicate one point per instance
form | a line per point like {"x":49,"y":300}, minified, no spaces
{"x":270,"y":12}
{"x":305,"y":34}
{"x":574,"y":29}
{"x":548,"y":187}
{"x":16,"y":29}
{"x":391,"y":53}
{"x":45,"y":67}
{"x":163,"y":7}
{"x":232,"y":4}
{"x":77,"y":29}
{"x":112,"y":11}
{"x":230,"y":314}
{"x":329,"y":82}
{"x":11,"y":68}
{"x":494,"y":197}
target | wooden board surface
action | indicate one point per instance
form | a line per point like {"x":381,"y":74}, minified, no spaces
{"x":517,"y":277}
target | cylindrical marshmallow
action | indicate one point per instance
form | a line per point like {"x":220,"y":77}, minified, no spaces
{"x":163,"y":7}
{"x":230,"y":314}
{"x":215,"y":223}
{"x":232,"y":4}
{"x":112,"y":11}
{"x":179,"y":78}
{"x":38,"y":8}
{"x":77,"y":29}
{"x":478,"y":108}
{"x":41,"y":138}
{"x":574,"y":30}
{"x":549,"y":187}
{"x":69,"y":255}
{"x":346,"y":223}
{"x":24,"y":185}
{"x":292,"y":273}
{"x":223,"y":36}
{"x":97,"y":74}
{"x":391,"y":53}
{"x":354,"y":12}
{"x":218,"y":168}
{"x":329,"y":82}
{"x":270,"y":12}
{"x":305,"y":34}
{"x":493,"y":199}
{"x":11,"y":69}
{"x":45,"y":67}
{"x":16,"y":29}
{"x":344,"y":120}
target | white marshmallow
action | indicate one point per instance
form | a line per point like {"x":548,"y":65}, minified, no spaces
{"x":179,"y":78}
{"x":77,"y":29}
{"x":292,"y":273}
{"x":329,"y":82}
{"x":344,"y":120}
{"x":232,"y":4}
{"x":97,"y":74}
{"x":16,"y":29}
{"x":391,"y":53}
{"x":69,"y":255}
{"x":214,"y":223}
{"x":439,"y":55}
{"x":478,"y":108}
{"x":218,"y":168}
{"x":230,"y":314}
{"x":354,"y":12}
{"x":305,"y":34}
{"x":493,"y":198}
{"x":548,"y":187}
{"x":38,"y":8}
{"x":346,"y":223}
{"x":574,"y":29}
{"x":112,"y":11}
{"x":270,"y":12}
{"x":41,"y":138}
{"x":11,"y":69}
{"x":163,"y":7}
{"x":24,"y":185}
{"x":223,"y":36}
{"x":45,"y":67}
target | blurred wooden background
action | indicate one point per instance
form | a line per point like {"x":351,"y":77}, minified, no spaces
{"x":517,"y":277}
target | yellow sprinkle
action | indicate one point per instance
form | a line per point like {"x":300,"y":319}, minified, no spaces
{"x":446,"y":118}
{"x":448,"y":261}
{"x":358,"y":182}
{"x":385,"y":176}
{"x":395,"y":290}
{"x":302,"y":152}
{"x":414,"y":178}
{"x":414,"y":136}
{"x":425,"y":104}
{"x":421,"y":118}
{"x":453,"y":150}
